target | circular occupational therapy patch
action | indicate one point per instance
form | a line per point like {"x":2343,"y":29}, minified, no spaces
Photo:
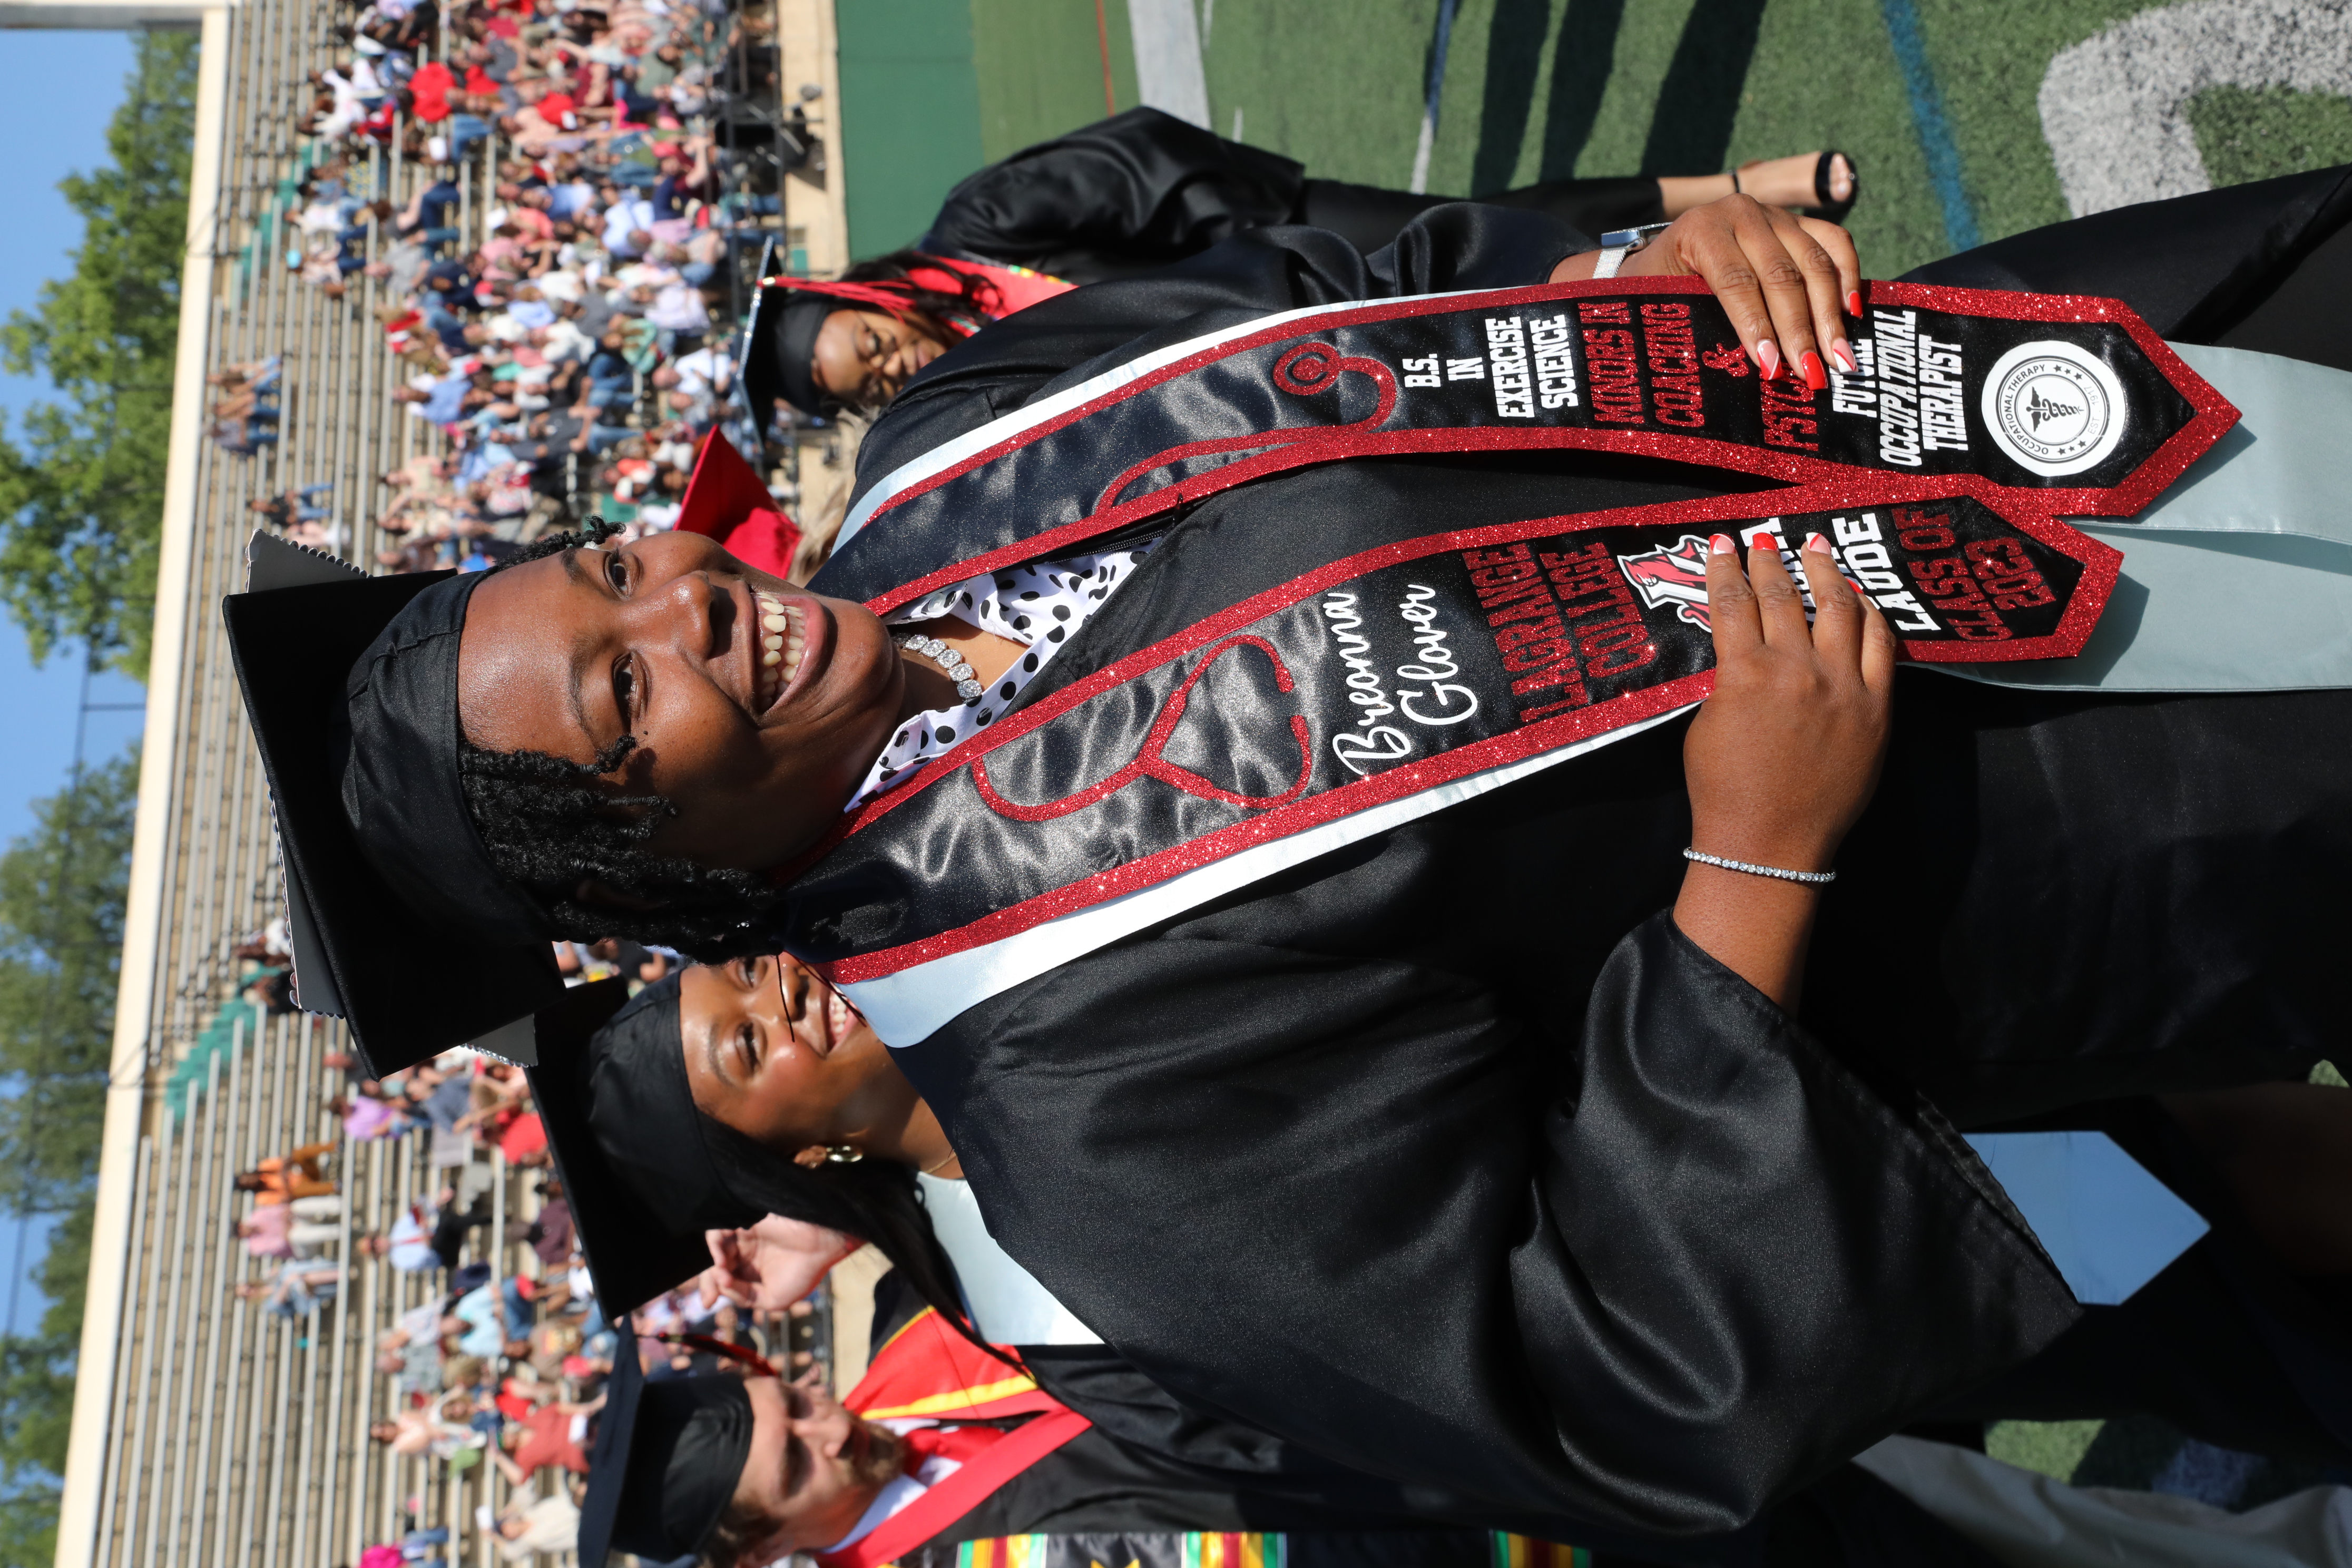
{"x":2056,"y":408}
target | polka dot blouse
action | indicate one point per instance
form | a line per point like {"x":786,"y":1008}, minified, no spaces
{"x":1041,"y":605}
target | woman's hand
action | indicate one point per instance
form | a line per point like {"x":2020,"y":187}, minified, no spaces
{"x":1781,"y":760}
{"x":1782,"y":279}
{"x":772,"y":1264}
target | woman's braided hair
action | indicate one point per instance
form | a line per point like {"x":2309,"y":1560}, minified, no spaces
{"x":972,"y":307}
{"x":550,"y":826}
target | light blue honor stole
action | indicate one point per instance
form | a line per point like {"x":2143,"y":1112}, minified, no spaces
{"x":2238,"y":576}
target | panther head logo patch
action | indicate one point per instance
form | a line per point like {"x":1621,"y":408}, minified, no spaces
{"x":1673,"y":574}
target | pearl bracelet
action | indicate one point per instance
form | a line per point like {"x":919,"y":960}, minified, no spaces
{"x":1810,"y":878}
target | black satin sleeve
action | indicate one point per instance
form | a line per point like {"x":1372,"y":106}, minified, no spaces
{"x":1125,"y":195}
{"x":2190,"y":265}
{"x":1654,"y":1270}
{"x":1062,"y":340}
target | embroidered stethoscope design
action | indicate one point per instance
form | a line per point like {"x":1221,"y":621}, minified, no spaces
{"x":1303,"y":372}
{"x":1151,"y":761}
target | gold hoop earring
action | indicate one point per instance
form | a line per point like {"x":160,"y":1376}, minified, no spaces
{"x":843,"y":1154}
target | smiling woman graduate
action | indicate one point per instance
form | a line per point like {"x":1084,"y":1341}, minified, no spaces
{"x":1431,"y":1112}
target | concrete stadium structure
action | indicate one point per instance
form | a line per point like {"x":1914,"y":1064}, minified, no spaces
{"x":205,"y":1431}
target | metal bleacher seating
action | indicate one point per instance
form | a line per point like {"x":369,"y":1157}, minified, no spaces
{"x":241,"y":1436}
{"x":231,"y":1435}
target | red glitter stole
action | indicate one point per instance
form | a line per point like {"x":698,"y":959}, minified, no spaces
{"x":1396,"y":682}
{"x":2074,"y":401}
{"x":1397,"y":674}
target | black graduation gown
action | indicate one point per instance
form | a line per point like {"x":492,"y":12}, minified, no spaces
{"x":1447,"y":1157}
{"x":2223,"y":1345}
{"x":1141,"y":189}
{"x":1148,"y":1468}
{"x":1116,"y":1499}
{"x":1116,"y":197}
{"x":1848,"y":1518}
{"x":1124,"y":1505}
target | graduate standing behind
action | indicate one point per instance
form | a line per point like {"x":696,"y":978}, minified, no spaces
{"x":942,"y":1455}
{"x":1125,"y":196}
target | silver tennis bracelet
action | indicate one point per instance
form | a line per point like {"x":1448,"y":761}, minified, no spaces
{"x":1620,"y":243}
{"x":1809,"y":877}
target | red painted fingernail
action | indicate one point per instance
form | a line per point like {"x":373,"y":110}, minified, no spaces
{"x":1843,"y":352}
{"x":1815,"y":542}
{"x":1768,"y":359}
{"x":1815,"y":376}
{"x":1853,"y":301}
{"x":1721,"y":544}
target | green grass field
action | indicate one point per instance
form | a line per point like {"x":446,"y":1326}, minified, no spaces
{"x":1536,"y":89}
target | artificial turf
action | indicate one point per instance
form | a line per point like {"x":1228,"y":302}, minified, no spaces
{"x":1537,"y":89}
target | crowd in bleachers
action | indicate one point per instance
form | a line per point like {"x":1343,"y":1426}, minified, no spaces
{"x":559,"y":288}
{"x":245,"y":410}
{"x":494,"y":1367}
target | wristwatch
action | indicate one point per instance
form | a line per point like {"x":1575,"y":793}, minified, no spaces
{"x":1620,"y":243}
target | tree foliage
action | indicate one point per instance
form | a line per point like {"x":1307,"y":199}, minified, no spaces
{"x":37,"y":1395}
{"x":81,"y":480}
{"x":61,"y":895}
{"x":62,"y":888}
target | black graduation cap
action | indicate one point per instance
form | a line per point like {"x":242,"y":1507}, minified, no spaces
{"x":668,"y":1454}
{"x":634,"y":1250}
{"x":780,"y":343}
{"x":369,"y":919}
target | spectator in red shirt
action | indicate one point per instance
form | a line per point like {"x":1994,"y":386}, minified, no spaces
{"x":543,"y":1438}
{"x":431,"y":87}
{"x":524,"y":1140}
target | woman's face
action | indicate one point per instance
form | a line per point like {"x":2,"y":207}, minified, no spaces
{"x":775,"y":1052}
{"x":865,"y":358}
{"x":757,"y":707}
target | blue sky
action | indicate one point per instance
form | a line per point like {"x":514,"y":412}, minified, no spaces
{"x":63,"y":88}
